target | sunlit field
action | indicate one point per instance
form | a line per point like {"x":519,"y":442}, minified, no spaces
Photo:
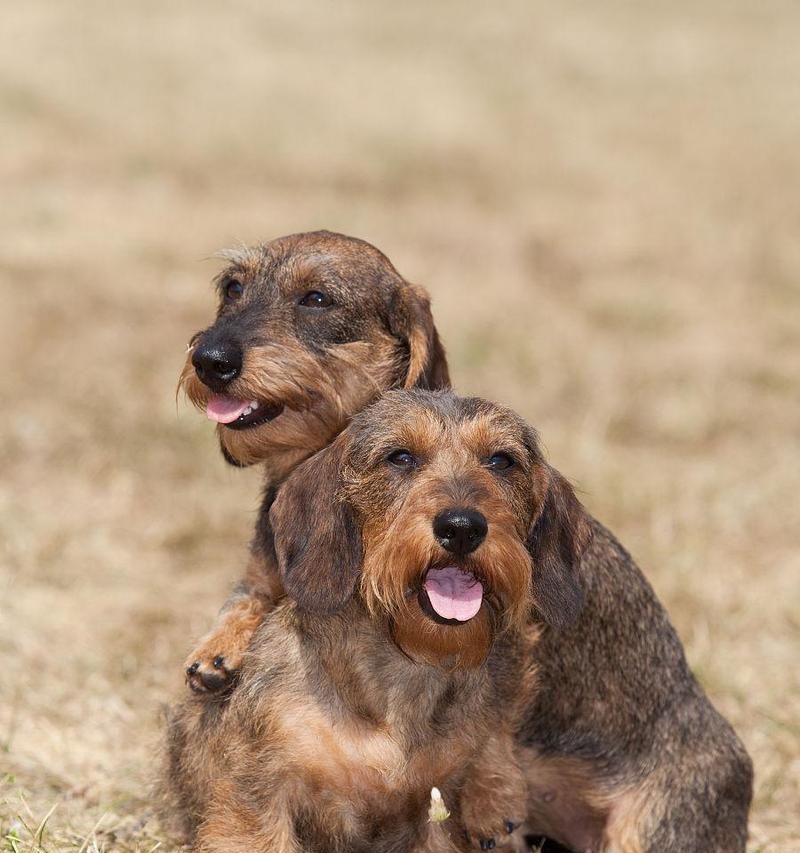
{"x":603,"y":202}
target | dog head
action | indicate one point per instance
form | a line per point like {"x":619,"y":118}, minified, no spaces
{"x":310,"y":328}
{"x":441,"y":514}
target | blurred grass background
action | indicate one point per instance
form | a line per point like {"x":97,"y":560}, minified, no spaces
{"x":603,"y":201}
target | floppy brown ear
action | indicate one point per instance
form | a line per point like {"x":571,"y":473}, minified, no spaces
{"x":411,"y":321}
{"x":317,"y":542}
{"x":557,"y":540}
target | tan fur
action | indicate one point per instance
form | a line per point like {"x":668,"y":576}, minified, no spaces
{"x":419,"y":339}
{"x":632,"y":814}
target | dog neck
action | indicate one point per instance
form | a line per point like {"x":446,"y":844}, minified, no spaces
{"x":451,"y":647}
{"x":355,"y":661}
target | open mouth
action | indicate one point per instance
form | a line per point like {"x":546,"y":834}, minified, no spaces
{"x":234,"y":413}
{"x":450,"y":595}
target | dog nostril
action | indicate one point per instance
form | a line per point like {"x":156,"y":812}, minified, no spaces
{"x":223,"y":369}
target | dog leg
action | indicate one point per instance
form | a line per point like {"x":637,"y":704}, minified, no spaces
{"x":435,"y":839}
{"x":233,"y":828}
{"x":493,"y":800}
{"x":213,"y":665}
{"x":699,"y":804}
{"x":695,"y":798}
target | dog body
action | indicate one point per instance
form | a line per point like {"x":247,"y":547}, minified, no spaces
{"x":621,"y":747}
{"x":334,"y":738}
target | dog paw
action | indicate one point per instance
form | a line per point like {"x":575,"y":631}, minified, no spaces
{"x":488,"y":838}
{"x":213,"y":667}
{"x":493,"y":801}
{"x":211,"y":673}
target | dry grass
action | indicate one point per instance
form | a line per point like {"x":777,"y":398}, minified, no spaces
{"x":602,"y":199}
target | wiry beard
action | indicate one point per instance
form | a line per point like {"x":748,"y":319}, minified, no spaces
{"x":397,"y":556}
{"x":319,"y":394}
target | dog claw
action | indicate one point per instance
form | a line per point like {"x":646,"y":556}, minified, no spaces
{"x":490,"y":843}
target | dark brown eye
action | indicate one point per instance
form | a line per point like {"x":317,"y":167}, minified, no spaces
{"x":315,"y":299}
{"x":402,"y":459}
{"x":233,"y":290}
{"x":499,"y":462}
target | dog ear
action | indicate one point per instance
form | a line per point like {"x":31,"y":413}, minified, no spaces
{"x":557,"y":541}
{"x":410,"y":320}
{"x":317,"y":542}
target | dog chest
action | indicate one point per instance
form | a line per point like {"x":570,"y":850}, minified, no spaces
{"x":361,"y":760}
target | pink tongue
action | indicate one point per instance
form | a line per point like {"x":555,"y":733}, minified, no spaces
{"x":453,"y":594}
{"x":224,"y":409}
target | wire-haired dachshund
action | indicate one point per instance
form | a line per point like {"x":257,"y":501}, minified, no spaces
{"x":455,"y":618}
{"x":310,"y":328}
{"x":412,"y":550}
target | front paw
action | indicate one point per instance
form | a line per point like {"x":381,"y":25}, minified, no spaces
{"x":211,"y":673}
{"x":213,"y":667}
{"x":493,"y":808}
{"x":487,"y":836}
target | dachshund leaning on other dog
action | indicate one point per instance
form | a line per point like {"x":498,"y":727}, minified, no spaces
{"x":621,"y":748}
{"x":310,"y":329}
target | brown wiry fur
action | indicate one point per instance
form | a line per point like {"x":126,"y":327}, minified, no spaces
{"x":621,"y":748}
{"x":338,"y":730}
{"x":379,"y":335}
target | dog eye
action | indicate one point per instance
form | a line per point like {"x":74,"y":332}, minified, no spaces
{"x":233,"y":290}
{"x":315,"y":299}
{"x":402,"y":459}
{"x":499,"y":462}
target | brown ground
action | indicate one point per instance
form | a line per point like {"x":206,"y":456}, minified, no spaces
{"x":603,"y":199}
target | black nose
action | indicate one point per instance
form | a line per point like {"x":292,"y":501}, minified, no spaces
{"x":460,"y":531}
{"x":218,"y":362}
